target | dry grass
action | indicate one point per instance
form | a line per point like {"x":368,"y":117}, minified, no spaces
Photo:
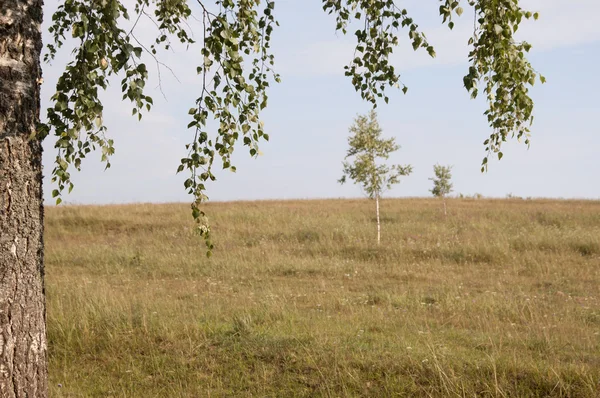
{"x":500,"y":299}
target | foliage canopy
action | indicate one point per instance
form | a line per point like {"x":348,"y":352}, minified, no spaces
{"x":236,"y":67}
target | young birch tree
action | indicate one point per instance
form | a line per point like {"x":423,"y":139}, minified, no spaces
{"x":441,"y":183}
{"x":368,"y":151}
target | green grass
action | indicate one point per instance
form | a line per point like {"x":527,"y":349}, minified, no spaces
{"x":501,"y":299}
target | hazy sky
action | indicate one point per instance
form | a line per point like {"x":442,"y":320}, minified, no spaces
{"x":310,"y":111}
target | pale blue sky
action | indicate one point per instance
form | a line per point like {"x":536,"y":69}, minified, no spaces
{"x":310,"y":112}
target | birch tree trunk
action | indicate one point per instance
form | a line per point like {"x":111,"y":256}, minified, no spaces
{"x":23,"y":363}
{"x":378,"y":223}
{"x":444,"y":200}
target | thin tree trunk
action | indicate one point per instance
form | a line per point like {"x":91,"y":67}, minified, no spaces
{"x":444,"y":200}
{"x":378,"y":223}
{"x":23,"y":363}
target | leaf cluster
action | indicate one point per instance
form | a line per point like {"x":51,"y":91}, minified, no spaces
{"x":500,"y":66}
{"x":381,"y":20}
{"x":441,"y":182}
{"x":232,"y":93}
{"x":365,"y":158}
{"x":104,"y":49}
{"x":235,"y":34}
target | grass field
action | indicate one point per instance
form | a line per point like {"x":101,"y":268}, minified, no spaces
{"x":501,"y":299}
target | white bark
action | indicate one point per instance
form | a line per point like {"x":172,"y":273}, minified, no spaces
{"x":23,"y":364}
{"x":378,"y":223}
{"x":444,"y":199}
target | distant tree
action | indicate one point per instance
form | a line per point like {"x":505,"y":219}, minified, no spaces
{"x":441,"y":183}
{"x":368,"y":150}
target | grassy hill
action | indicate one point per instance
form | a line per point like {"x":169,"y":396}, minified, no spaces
{"x":501,"y":299}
